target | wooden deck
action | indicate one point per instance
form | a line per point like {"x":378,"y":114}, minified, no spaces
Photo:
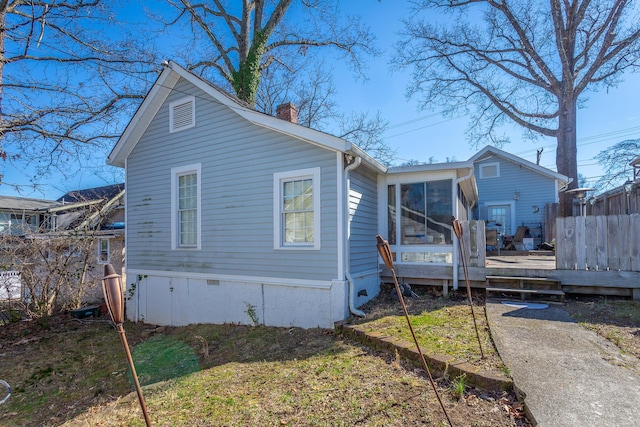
{"x":541,"y":265}
{"x":533,"y":260}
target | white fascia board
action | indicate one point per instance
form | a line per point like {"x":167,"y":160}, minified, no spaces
{"x":367,"y":159}
{"x":143,"y":117}
{"x":165,"y":83}
{"x":430,"y":167}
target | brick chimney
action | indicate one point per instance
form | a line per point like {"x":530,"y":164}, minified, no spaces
{"x":288,"y":112}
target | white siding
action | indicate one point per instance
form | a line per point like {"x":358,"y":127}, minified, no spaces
{"x":175,"y":300}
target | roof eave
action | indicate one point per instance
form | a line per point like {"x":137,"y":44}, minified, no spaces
{"x":562,"y":179}
{"x":167,"y":80}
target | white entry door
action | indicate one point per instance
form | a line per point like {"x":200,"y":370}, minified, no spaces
{"x":500,"y":217}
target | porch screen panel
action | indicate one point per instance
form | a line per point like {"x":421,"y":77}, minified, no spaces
{"x":413,"y":218}
{"x":439,"y":211}
{"x":391,"y":214}
{"x":426,"y":210}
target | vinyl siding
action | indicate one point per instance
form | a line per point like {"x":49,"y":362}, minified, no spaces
{"x":535,"y":190}
{"x":238,"y":160}
{"x":363,"y":201}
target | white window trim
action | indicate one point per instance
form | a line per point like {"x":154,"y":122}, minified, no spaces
{"x":484,"y":165}
{"x":279,"y":178}
{"x":175,"y":231}
{"x":100,"y":261}
{"x":172,"y":105}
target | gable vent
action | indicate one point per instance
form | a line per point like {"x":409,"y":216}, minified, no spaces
{"x":182,"y":114}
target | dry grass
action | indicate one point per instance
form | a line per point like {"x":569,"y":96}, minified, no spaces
{"x":442,"y":326}
{"x":75,"y":374}
{"x":618,"y":320}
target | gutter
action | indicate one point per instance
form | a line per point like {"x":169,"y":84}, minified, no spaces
{"x":352,"y":287}
{"x":456,"y":251}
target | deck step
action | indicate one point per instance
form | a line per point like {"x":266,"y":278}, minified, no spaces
{"x":527,"y":291}
{"x":560,"y":294}
{"x":526,"y":279}
{"x":525,"y":286}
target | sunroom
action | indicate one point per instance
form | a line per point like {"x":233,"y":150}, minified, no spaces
{"x":416,"y":208}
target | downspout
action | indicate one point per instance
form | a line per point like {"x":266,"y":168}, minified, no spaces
{"x":352,"y":287}
{"x":456,"y":253}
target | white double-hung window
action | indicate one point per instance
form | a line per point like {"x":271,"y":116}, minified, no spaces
{"x":185,"y":207}
{"x":297,"y":209}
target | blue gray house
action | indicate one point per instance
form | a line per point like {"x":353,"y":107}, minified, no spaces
{"x":237,"y":216}
{"x":513,"y":192}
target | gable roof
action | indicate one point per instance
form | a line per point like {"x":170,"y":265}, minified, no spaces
{"x":165,"y":83}
{"x":26,"y":204}
{"x":87,"y":208}
{"x":106,"y":192}
{"x":490,"y":151}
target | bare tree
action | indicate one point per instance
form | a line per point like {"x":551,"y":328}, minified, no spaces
{"x":266,"y":60}
{"x":365,"y":131}
{"x":615,"y":163}
{"x":53,"y":269}
{"x":66,"y":74}
{"x":314,"y":97}
{"x":526,"y":62}
{"x":239,"y":43}
{"x":56,"y":266}
{"x":312,"y":90}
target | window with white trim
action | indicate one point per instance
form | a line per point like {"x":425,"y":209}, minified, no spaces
{"x":104,"y":251}
{"x":182,"y":114}
{"x":297,"y":209}
{"x":186,"y":207}
{"x":490,"y":170}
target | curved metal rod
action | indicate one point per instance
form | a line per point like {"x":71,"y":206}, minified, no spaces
{"x":385,"y":252}
{"x":8,"y":387}
{"x":457,"y":228}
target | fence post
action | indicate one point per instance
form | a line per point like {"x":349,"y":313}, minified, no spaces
{"x":634,"y":242}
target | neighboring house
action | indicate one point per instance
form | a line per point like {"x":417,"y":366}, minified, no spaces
{"x":237,"y":216}
{"x":513,"y":192}
{"x":20,"y":215}
{"x":97,"y":213}
{"x":94,"y":215}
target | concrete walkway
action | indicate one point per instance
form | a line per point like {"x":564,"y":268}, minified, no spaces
{"x":570,"y":376}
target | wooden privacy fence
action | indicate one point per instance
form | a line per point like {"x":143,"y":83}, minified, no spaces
{"x":598,"y":243}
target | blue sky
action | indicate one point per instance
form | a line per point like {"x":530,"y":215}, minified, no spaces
{"x":609,"y":117}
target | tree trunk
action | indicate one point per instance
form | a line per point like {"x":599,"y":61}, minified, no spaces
{"x":3,"y":31}
{"x":247,"y":78}
{"x":566,"y":151}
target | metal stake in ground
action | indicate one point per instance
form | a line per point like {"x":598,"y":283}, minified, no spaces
{"x":8,"y":387}
{"x":385,"y":253}
{"x":457,"y":228}
{"x":114,"y":297}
